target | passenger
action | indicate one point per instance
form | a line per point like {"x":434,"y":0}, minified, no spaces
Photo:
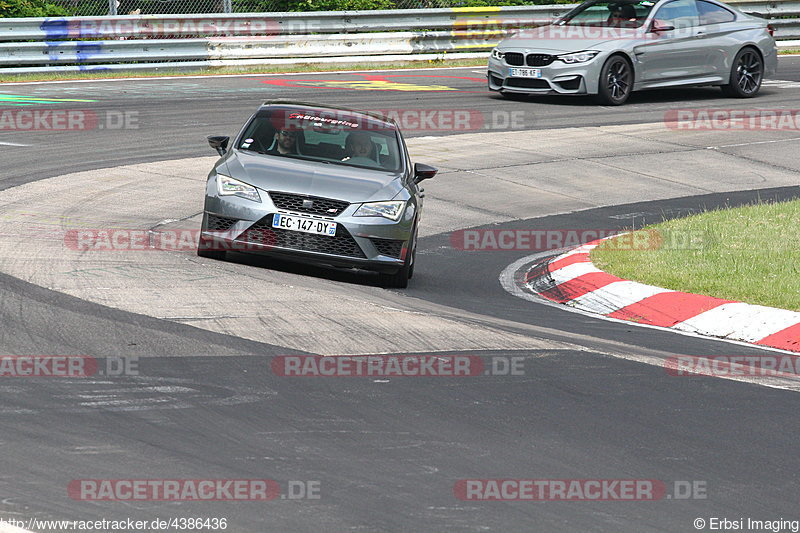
{"x":360,"y":150}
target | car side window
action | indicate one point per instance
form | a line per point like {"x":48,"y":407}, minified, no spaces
{"x":713,"y":13}
{"x":680,"y":14}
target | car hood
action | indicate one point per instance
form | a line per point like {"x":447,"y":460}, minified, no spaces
{"x":285,"y":174}
{"x":564,"y":39}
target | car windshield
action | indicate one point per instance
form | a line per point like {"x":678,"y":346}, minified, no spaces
{"x":327,"y":136}
{"x":617,"y":14}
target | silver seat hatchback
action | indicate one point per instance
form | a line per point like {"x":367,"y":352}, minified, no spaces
{"x":316,"y":184}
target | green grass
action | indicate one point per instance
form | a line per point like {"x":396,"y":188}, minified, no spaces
{"x":267,"y":69}
{"x":749,"y":254}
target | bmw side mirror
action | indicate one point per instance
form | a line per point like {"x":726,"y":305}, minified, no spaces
{"x":423,"y":172}
{"x":219,"y":143}
{"x":657,"y":28}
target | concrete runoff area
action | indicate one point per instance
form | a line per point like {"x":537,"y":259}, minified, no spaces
{"x":484,"y":178}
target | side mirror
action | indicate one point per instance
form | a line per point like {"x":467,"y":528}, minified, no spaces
{"x":658,"y":28}
{"x":423,"y":172}
{"x":219,"y":143}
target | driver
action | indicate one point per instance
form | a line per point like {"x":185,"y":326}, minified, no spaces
{"x":622,"y":13}
{"x":285,"y":142}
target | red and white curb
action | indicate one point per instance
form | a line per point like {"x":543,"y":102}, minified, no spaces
{"x":572,"y":279}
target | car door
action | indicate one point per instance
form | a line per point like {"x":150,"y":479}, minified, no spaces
{"x":674,"y":54}
{"x":717,"y":24}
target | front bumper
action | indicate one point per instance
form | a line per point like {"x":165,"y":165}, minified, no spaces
{"x":557,"y":78}
{"x":371,"y":243}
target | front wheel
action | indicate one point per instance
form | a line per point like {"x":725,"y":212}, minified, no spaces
{"x":747,"y":72}
{"x":616,"y":81}
{"x":207,"y":249}
{"x":399,"y":279}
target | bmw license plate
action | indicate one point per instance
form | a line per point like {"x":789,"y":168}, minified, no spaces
{"x":306,"y":225}
{"x":525,"y":72}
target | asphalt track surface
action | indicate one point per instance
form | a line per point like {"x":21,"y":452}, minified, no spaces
{"x":386,"y":453}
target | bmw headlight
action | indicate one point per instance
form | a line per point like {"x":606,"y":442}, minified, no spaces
{"x":391,"y":210}
{"x":497,"y":54}
{"x":227,"y":186}
{"x":578,"y":57}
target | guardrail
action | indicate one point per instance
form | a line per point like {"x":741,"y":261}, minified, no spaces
{"x":293,"y":23}
{"x":147,"y":42}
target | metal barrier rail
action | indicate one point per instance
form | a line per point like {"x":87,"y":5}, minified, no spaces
{"x":247,"y":24}
{"x":306,"y":46}
{"x":148,"y":42}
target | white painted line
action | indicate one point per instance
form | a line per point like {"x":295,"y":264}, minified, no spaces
{"x":13,"y":144}
{"x":745,"y":322}
{"x":778,"y":82}
{"x":615,"y":296}
{"x":573,"y":271}
{"x":751,"y":143}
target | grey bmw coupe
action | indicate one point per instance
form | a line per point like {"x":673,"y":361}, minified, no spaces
{"x":317,"y":184}
{"x":610,"y":48}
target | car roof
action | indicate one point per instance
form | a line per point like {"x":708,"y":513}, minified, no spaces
{"x":308,"y":107}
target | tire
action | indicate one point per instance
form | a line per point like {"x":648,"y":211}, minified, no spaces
{"x":616,"y":81}
{"x":413,"y":260}
{"x":206,"y":249}
{"x":399,"y":279}
{"x":747,"y":73}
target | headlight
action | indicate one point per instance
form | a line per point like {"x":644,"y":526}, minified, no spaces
{"x":497,"y":54}
{"x":227,"y":186}
{"x":578,"y":57}
{"x":390,"y":210}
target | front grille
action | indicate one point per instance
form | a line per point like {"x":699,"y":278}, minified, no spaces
{"x":389,"y":247}
{"x":216,"y":223}
{"x":527,"y":83}
{"x":539,"y":60}
{"x":342,"y":243}
{"x":325,"y":207}
{"x":514,"y":58}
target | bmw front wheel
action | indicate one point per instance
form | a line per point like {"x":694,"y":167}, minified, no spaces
{"x":616,"y":81}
